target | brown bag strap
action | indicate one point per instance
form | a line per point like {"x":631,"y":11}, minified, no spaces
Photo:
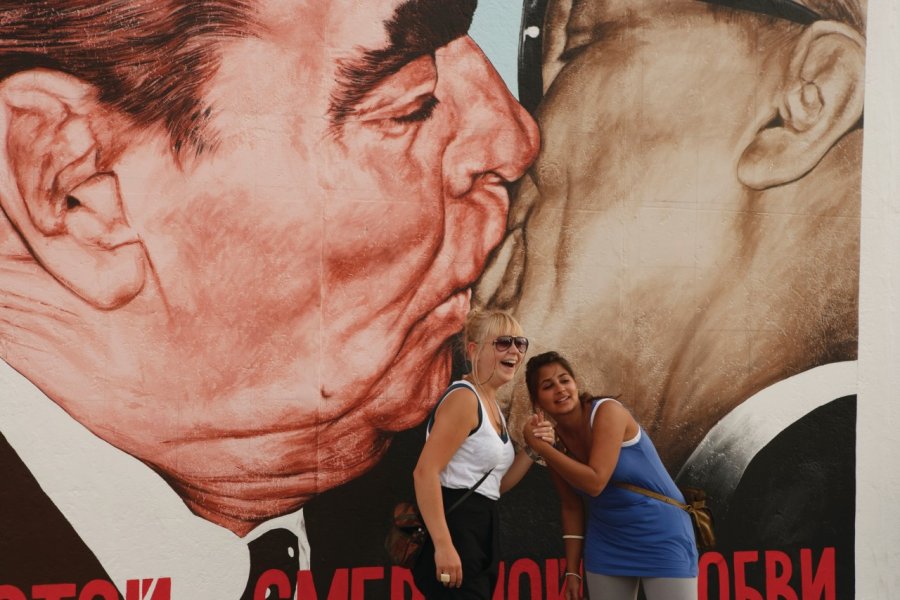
{"x":638,"y":489}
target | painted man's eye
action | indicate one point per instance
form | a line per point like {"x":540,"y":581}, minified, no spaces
{"x":422,"y":113}
{"x":570,"y":54}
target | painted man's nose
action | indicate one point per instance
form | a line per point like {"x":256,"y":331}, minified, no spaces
{"x":496,"y":139}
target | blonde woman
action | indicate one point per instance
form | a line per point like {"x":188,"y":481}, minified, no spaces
{"x":466,"y":439}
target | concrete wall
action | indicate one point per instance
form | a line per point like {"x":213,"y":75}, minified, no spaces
{"x":230,"y":284}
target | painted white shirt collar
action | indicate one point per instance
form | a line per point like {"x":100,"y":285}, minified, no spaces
{"x":135,"y":524}
{"x":750,"y":426}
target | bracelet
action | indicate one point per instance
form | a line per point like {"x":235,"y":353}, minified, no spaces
{"x":532,"y":454}
{"x":574,"y":575}
{"x":573,"y":537}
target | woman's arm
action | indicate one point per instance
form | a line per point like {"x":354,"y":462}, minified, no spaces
{"x":542,"y":429}
{"x":454,"y":419}
{"x":516,"y":472}
{"x":572,"y":517}
{"x":612,"y":422}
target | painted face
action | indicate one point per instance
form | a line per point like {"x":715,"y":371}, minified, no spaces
{"x":614,"y":240}
{"x":644,"y":256}
{"x":308,"y":272}
{"x":557,"y":393}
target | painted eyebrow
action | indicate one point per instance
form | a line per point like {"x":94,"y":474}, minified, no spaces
{"x":417,"y":28}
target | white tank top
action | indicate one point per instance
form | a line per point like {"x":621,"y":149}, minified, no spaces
{"x":481,"y":451}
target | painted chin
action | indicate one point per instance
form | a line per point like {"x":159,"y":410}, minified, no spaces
{"x":442,"y":323}
{"x":422,"y":368}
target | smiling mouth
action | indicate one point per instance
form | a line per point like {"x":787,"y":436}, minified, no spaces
{"x":509,"y":363}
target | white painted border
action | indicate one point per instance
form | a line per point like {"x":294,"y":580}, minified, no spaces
{"x":878,"y":425}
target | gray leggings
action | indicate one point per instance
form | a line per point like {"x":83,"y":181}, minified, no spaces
{"x":609,"y":587}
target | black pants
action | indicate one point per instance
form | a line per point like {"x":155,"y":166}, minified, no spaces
{"x":475,"y":530}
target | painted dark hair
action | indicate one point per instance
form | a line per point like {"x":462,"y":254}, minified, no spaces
{"x":536,"y":363}
{"x":148,"y":59}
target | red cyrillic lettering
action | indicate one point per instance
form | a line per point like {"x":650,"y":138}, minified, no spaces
{"x":306,"y":587}
{"x":500,"y":588}
{"x":359,"y":577}
{"x":340,"y":585}
{"x":708,"y":559}
{"x":778,"y":576}
{"x":525,"y":566}
{"x":275,"y":577}
{"x":822,"y":584}
{"x":741,"y":590}
{"x":401,"y":580}
{"x":99,"y":587}
{"x":148,"y":589}
{"x":163,"y":590}
{"x":11,"y":592}
{"x":554,"y":570}
{"x":53,"y":591}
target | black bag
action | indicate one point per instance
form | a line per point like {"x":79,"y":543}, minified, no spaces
{"x":407,"y":534}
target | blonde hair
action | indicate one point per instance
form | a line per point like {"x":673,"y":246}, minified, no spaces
{"x":486,"y":324}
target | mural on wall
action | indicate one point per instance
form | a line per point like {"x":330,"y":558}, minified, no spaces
{"x":238,"y":237}
{"x":689,"y":234}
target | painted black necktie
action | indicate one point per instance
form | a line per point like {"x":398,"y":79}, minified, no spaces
{"x":275,"y":549}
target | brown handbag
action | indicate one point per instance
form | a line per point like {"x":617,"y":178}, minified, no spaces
{"x":695,"y":506}
{"x":407,"y":534}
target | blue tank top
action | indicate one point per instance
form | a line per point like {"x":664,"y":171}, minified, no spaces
{"x":630,"y":534}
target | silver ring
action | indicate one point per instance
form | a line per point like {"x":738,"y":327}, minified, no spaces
{"x":445,"y":577}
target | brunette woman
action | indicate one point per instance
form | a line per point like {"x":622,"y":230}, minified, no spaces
{"x":466,"y":439}
{"x":627,"y":538}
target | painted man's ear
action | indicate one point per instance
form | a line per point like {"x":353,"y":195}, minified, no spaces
{"x":822,"y":99}
{"x":55,"y":188}
{"x":555,"y":36}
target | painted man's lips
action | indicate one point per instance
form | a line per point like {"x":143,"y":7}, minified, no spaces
{"x":439,"y":324}
{"x":421,"y":368}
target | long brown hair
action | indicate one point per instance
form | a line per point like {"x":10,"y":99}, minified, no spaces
{"x":535,"y":363}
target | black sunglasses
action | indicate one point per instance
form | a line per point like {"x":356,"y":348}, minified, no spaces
{"x":504,"y":342}
{"x":531,"y":84}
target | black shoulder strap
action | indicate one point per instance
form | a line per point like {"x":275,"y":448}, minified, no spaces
{"x":468,"y":493}
{"x":454,"y":386}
